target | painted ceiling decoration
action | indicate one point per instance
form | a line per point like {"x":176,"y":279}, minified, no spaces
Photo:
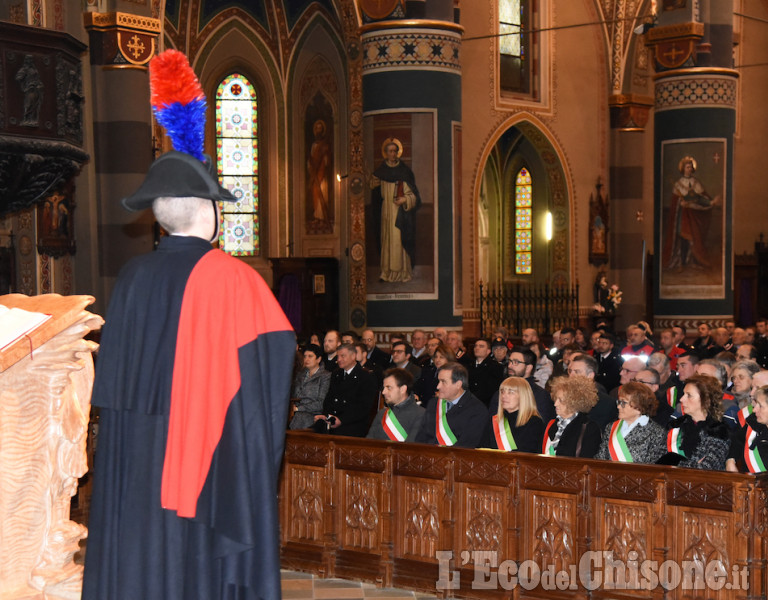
{"x":258,"y":10}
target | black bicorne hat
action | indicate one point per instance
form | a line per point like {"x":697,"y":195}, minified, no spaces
{"x":178,"y":175}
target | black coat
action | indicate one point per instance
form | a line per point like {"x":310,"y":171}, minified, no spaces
{"x":605,"y":411}
{"x":609,"y":369}
{"x":485,"y":378}
{"x":590,"y":440}
{"x":468,"y":420}
{"x":379,"y":357}
{"x":527,"y":437}
{"x":351,"y":398}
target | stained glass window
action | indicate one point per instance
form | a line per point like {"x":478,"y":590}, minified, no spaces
{"x":237,"y":159}
{"x":514,"y":41}
{"x":510,"y":23}
{"x":523,"y":223}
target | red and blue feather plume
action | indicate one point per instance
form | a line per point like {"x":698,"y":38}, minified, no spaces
{"x":178,"y":101}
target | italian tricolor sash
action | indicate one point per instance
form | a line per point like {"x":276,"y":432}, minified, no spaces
{"x":617,"y":446}
{"x":504,"y":439}
{"x":443,"y":432}
{"x":546,"y":447}
{"x":752,"y":457}
{"x":744,"y":413}
{"x":672,"y":396}
{"x":675,"y":441}
{"x":392,"y":427}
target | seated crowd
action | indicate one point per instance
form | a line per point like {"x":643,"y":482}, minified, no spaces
{"x":703,"y":405}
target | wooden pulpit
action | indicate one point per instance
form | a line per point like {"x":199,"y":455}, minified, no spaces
{"x":46,"y":377}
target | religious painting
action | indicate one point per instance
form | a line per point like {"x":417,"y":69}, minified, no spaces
{"x":320,"y":174}
{"x":401,"y":209}
{"x":692,"y":219}
{"x":598,"y":226}
{"x":55,"y":224}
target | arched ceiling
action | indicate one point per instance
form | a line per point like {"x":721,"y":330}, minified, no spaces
{"x":288,"y":11}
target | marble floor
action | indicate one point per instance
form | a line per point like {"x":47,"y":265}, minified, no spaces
{"x":305,"y":586}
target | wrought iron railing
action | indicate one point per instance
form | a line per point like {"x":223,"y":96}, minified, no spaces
{"x":517,"y":306}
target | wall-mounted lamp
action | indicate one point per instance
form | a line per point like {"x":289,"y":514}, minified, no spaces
{"x":548,"y":226}
{"x":339,"y":177}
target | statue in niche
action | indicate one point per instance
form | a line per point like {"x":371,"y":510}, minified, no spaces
{"x":31,"y":86}
{"x":598,"y":226}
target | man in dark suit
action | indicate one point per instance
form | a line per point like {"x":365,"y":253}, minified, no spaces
{"x":376,"y":355}
{"x":605,"y":411}
{"x":456,"y":417}
{"x":522,"y":363}
{"x":609,"y":361}
{"x":351,"y":397}
{"x":401,"y":358}
{"x":485,"y":374}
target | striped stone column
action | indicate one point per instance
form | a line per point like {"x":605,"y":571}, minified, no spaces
{"x":122,"y":45}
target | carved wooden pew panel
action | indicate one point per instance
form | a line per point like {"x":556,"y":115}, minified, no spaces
{"x":383,"y":512}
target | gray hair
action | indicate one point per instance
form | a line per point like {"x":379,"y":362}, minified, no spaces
{"x":178,"y":214}
{"x":722,"y":374}
{"x":658,"y":358}
{"x":749,"y":366}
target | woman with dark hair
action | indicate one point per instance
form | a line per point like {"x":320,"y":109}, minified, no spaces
{"x":543,"y":370}
{"x":634,"y":437}
{"x":426,"y":385}
{"x":699,"y":439}
{"x":517,"y":425}
{"x":310,"y":387}
{"x":749,"y":445}
{"x":572,"y":432}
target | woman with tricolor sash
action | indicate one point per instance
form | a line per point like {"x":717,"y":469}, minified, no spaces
{"x":572,"y":432}
{"x":749,"y":444}
{"x":699,"y":439}
{"x":634,"y":437}
{"x":741,"y":377}
{"x":517,"y":425}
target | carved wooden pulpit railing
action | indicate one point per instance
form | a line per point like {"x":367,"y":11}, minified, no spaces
{"x":45,"y":391}
{"x":480,"y":524}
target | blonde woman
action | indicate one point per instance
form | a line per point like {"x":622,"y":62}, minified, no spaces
{"x":517,"y":425}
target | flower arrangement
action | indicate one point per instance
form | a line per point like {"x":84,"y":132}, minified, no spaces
{"x":607,"y":297}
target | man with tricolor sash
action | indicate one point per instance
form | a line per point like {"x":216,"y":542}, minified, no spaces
{"x":455,"y":417}
{"x":400,"y":419}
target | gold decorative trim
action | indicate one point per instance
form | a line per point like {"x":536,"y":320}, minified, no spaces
{"x":634,"y":99}
{"x":678,"y":31}
{"x":411,"y":24}
{"x":97,"y":21}
{"x":696,"y":71}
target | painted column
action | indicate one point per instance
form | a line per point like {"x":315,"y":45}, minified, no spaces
{"x":412,"y":96}
{"x":694,"y":118}
{"x":121,"y":46}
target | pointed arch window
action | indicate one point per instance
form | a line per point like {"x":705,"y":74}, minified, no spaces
{"x":523,"y":222}
{"x":237,"y":161}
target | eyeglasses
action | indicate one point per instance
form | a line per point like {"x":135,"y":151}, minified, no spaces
{"x":622,"y":403}
{"x":514,"y":361}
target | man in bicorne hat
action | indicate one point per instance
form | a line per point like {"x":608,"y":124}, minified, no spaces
{"x":192,"y":385}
